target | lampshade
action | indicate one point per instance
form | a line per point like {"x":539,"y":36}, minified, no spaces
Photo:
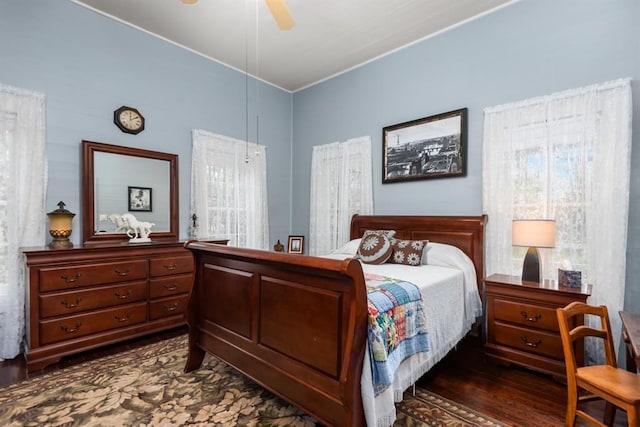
{"x":539,"y":233}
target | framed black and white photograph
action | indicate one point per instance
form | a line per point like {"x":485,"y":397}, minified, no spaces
{"x":296,"y":244}
{"x":431,"y":147}
{"x":139,"y":199}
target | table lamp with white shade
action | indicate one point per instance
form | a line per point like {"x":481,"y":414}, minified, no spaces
{"x":534,"y":234}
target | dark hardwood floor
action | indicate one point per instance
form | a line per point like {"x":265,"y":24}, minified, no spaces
{"x":513,"y":395}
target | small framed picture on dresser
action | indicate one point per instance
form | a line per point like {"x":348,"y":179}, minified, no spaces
{"x":296,"y":244}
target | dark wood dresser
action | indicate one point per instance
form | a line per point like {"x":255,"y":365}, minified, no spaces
{"x":90,"y":296}
{"x":521,"y":325}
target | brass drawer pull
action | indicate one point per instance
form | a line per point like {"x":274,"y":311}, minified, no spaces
{"x":535,"y":343}
{"x":123,"y":296}
{"x":171,"y":266}
{"x":171,"y":307}
{"x":69,"y":330}
{"x":70,"y":304}
{"x":531,"y":319}
{"x":170,"y":286}
{"x":123,"y":318}
{"x":122,"y":273}
{"x":68,"y":279}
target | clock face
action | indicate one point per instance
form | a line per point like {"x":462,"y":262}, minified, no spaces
{"x":129,"y":120}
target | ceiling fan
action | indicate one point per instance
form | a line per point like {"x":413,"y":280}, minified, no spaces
{"x":279,"y":10}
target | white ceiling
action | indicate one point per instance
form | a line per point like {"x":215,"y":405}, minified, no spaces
{"x":329,"y":36}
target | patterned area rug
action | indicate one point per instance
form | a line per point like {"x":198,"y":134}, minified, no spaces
{"x":147,"y":387}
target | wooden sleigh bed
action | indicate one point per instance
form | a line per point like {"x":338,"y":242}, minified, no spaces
{"x":296,"y":324}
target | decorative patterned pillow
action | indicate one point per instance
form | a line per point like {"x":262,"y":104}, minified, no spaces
{"x":375,"y":246}
{"x":407,"y":252}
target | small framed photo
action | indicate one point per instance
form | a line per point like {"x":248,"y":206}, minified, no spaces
{"x":139,"y":199}
{"x":431,"y":147}
{"x":296,"y":244}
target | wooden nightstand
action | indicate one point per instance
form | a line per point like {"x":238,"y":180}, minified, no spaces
{"x":521,"y":326}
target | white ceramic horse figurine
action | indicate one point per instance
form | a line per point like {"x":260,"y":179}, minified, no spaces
{"x":121,"y":225}
{"x":138,"y":231}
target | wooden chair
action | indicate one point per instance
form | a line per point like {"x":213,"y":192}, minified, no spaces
{"x":618,"y":387}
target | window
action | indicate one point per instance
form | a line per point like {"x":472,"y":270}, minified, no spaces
{"x":566,"y":157}
{"x":341,"y":186}
{"x":22,"y":208}
{"x":229,"y":190}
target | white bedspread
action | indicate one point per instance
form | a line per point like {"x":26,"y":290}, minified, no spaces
{"x":452,"y":303}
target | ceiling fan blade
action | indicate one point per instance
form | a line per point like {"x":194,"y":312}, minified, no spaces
{"x":281,"y":14}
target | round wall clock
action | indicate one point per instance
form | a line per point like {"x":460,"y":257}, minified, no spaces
{"x":129,"y":120}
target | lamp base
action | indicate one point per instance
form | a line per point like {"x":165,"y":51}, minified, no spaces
{"x":60,"y":244}
{"x":531,"y":266}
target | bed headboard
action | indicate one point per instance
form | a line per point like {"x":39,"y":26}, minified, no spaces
{"x":465,"y":232}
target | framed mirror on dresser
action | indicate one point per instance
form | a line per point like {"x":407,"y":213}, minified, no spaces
{"x":112,"y":178}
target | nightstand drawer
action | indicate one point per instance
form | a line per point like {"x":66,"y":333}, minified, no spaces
{"x":527,"y":315}
{"x":529,"y":340}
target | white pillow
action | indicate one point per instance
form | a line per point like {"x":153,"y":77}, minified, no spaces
{"x":446,"y":255}
{"x":351,"y":248}
{"x":424,"y":254}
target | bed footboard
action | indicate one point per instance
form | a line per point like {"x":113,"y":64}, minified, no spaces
{"x":295,"y":324}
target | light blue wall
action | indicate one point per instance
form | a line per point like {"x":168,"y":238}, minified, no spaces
{"x":530,"y":48}
{"x":88,"y":65}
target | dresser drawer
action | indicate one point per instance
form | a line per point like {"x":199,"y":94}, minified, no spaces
{"x":167,"y":307}
{"x":528,"y":340}
{"x":527,"y":315}
{"x":171,"y":265}
{"x":71,"y":302}
{"x":72,"y":327}
{"x":170,"y":285}
{"x":59,"y":278}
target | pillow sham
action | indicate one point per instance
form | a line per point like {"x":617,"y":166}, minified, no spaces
{"x":408,"y":252}
{"x":375,"y":246}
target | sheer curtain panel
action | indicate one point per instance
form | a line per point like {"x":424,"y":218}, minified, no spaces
{"x":229,"y":190}
{"x":23,"y":171}
{"x":566,"y":157}
{"x":341,"y":186}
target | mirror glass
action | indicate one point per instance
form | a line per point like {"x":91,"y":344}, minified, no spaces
{"x":118,"y":180}
{"x":130,"y":184}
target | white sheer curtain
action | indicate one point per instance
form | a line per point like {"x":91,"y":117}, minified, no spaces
{"x":566,"y":157}
{"x":23,"y":172}
{"x":229,"y":190}
{"x":341,"y":186}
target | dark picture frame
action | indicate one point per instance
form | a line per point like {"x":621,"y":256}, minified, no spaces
{"x":426,"y":148}
{"x":296,"y":245}
{"x":140,"y":199}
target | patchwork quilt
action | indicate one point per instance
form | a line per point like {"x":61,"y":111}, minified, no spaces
{"x":397,"y":326}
